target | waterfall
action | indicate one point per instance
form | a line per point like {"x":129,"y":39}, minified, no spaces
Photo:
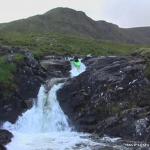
{"x":45,"y":126}
{"x":45,"y":116}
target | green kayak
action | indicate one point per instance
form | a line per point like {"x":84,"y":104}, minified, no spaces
{"x":77,"y":64}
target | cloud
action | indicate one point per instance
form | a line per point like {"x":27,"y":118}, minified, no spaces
{"x":127,"y":13}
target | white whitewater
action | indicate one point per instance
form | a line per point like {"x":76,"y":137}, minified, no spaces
{"x":45,"y":116}
{"x":45,"y":126}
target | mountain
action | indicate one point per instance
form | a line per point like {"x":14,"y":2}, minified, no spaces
{"x":69,"y":21}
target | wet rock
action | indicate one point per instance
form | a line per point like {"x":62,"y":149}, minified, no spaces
{"x":2,"y":147}
{"x":5,"y":137}
{"x":28,"y":103}
{"x":56,"y":66}
{"x":110,"y":97}
{"x":50,"y":83}
{"x":127,"y":124}
{"x":4,"y":49}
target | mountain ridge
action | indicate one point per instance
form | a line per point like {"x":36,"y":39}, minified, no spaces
{"x":69,"y":21}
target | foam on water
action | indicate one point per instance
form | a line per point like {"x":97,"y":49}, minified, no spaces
{"x":45,"y":116}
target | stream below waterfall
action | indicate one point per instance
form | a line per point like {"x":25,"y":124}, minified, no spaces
{"x":46,"y":127}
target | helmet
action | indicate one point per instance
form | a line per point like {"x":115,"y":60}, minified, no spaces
{"x":76,"y":59}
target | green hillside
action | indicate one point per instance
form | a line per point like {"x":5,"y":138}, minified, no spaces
{"x":50,"y":43}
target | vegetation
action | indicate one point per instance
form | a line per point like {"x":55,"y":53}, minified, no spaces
{"x":145,"y":53}
{"x":6,"y":71}
{"x":19,"y":58}
{"x":8,"y":68}
{"x":52,"y":43}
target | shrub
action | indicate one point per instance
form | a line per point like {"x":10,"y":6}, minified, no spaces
{"x":6,"y":71}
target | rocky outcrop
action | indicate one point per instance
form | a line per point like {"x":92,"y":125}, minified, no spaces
{"x":5,"y":138}
{"x":111,"y":97}
{"x":2,"y":147}
{"x":56,"y":66}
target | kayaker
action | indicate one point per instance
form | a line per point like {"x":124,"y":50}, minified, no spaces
{"x":76,"y":62}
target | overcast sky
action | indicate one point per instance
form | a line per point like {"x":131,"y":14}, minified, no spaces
{"x":125,"y":13}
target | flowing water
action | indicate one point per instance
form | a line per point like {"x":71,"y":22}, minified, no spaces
{"x":45,"y":126}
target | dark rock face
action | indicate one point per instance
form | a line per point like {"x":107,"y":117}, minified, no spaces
{"x":28,"y":103}
{"x":29,"y":77}
{"x":5,"y":137}
{"x":2,"y":147}
{"x":110,"y":97}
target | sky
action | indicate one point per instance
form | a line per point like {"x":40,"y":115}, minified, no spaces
{"x":125,"y":13}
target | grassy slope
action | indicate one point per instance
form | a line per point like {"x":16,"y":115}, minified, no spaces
{"x":51,"y":43}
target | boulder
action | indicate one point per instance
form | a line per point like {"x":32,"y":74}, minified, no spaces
{"x":56,"y":66}
{"x":2,"y":147}
{"x":50,"y":83}
{"x":111,"y":97}
{"x":5,"y":137}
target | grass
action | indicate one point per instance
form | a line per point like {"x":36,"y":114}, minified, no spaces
{"x":19,"y":58}
{"x":145,"y":53}
{"x":59,"y":44}
{"x":6,"y":71}
{"x":8,"y":68}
